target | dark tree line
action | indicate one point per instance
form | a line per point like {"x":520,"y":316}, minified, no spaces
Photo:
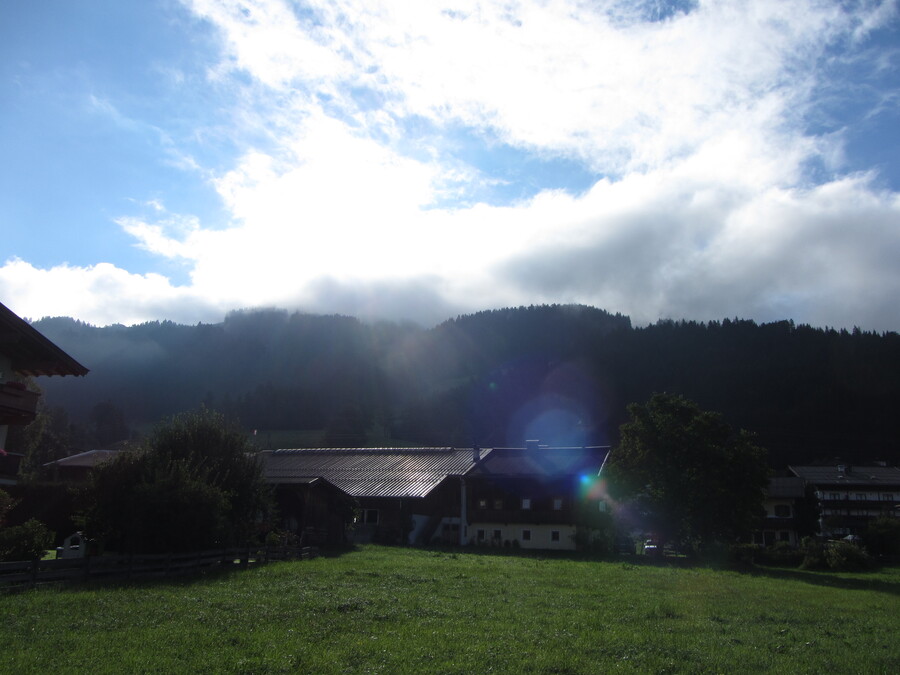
{"x":564,"y":374}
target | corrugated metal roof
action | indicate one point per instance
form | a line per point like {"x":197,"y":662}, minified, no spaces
{"x":370,"y":472}
{"x":851,"y":475}
{"x":542,"y":461}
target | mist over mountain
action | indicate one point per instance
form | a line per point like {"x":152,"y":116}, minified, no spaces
{"x":563,"y":374}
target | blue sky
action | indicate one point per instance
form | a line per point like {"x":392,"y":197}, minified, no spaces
{"x":178,"y":159}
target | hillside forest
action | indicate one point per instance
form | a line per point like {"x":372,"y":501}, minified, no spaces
{"x":561,"y":374}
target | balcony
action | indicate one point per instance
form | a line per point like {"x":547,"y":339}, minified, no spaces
{"x":17,"y":404}
{"x":522,"y":516}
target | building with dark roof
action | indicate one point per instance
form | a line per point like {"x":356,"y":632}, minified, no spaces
{"x":534,"y":497}
{"x":450,"y":495}
{"x":24,"y":352}
{"x":787,"y":512}
{"x":77,"y":468}
{"x":849,"y":497}
{"x":402,"y":494}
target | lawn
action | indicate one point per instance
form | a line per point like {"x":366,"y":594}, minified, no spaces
{"x":397,"y":610}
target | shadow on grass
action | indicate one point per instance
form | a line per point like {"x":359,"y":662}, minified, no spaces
{"x":544,"y":554}
{"x":818,"y":578}
{"x":826,"y":579}
{"x":184,"y":578}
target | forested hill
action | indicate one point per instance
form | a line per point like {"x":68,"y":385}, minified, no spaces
{"x":563,"y":374}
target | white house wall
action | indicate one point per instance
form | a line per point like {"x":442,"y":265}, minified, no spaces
{"x":541,"y":535}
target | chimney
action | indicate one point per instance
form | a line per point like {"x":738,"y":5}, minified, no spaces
{"x":532,"y":445}
{"x":476,"y":453}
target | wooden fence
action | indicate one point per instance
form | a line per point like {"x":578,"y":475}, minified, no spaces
{"x":33,"y":572}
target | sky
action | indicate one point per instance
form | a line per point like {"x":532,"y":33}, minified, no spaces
{"x":412,"y":161}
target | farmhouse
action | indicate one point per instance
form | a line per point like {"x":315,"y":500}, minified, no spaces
{"x":787,"y":512}
{"x":849,"y":497}
{"x":403,"y":494}
{"x":533,"y":495}
{"x":24,"y":352}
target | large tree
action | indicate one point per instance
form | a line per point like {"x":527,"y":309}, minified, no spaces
{"x":685,"y":474}
{"x":195,"y":484}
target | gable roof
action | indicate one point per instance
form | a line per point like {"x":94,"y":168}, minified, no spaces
{"x":31,"y":353}
{"x":369,"y":472}
{"x":87,"y":459}
{"x":542,"y":462}
{"x":850,"y":475}
{"x":786,"y":487}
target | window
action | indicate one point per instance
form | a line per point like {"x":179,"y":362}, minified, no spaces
{"x":498,"y":504}
{"x":498,"y":534}
{"x":482,"y":503}
{"x":480,"y":535}
{"x":526,"y":535}
{"x":371,"y":517}
{"x":834,"y":495}
{"x":554,"y":535}
{"x":784,"y":536}
{"x":860,"y":496}
{"x":557,"y":504}
{"x":526,"y":503}
{"x":782,"y":511}
{"x":887,"y":497}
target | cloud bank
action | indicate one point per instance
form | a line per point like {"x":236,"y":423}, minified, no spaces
{"x":366,"y":179}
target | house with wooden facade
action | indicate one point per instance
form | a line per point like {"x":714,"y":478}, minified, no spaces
{"x":534,"y":496}
{"x":401,"y":495}
{"x":24,"y":352}
{"x":787,"y":512}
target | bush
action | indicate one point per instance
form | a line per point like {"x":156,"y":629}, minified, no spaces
{"x":883,"y":536}
{"x":838,"y":556}
{"x":781,"y":553}
{"x":25,"y":542}
{"x":195,"y":486}
{"x":813,"y":554}
{"x":743,"y":554}
{"x":843,"y":556}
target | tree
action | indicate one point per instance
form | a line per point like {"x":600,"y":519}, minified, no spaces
{"x":21,"y":542}
{"x":108,"y":424}
{"x":50,"y":436}
{"x":195,"y":484}
{"x":685,"y":474}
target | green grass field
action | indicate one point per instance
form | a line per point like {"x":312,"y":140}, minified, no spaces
{"x":412,"y":611}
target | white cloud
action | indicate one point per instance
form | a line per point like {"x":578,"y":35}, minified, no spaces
{"x":101,"y":294}
{"x":696,"y":122}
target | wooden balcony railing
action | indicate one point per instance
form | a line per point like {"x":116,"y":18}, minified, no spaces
{"x":17,"y":404}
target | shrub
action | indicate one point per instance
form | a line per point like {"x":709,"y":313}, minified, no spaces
{"x":813,"y":554}
{"x":196,"y":485}
{"x":843,"y":556}
{"x":743,"y":554}
{"x":6,"y":504}
{"x":883,"y":536}
{"x":838,"y":556}
{"x":25,"y":542}
{"x":781,"y":553}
